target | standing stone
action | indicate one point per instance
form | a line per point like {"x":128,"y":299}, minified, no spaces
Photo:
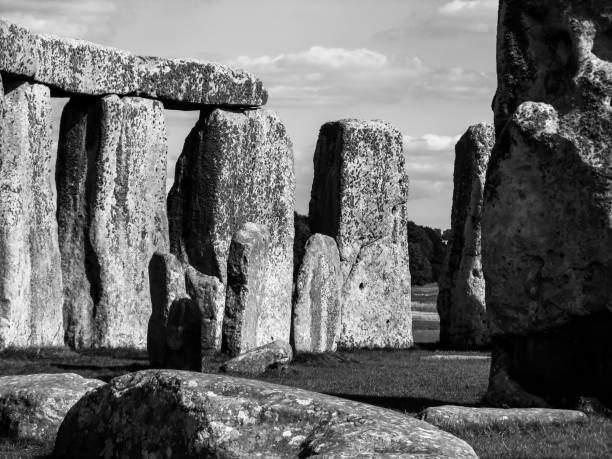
{"x":547,"y":226}
{"x":461,"y":301}
{"x":358,"y":197}
{"x":237,"y":167}
{"x":115,"y":202}
{"x":30,"y":273}
{"x":316,"y":314}
{"x":246,"y":298}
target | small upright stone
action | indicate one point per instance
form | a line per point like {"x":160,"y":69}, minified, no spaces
{"x":237,"y":167}
{"x":115,"y":203}
{"x":30,"y":272}
{"x":359,"y":195}
{"x":316,"y":314}
{"x":245,"y":300}
{"x":461,"y":301}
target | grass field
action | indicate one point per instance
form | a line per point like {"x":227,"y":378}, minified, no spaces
{"x":407,"y":381}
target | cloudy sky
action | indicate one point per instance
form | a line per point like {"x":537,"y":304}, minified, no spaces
{"x":427,"y":66}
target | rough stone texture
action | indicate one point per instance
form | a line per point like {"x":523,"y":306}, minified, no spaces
{"x":358,"y":197}
{"x":78,"y":67}
{"x":32,"y":407}
{"x":547,"y":229}
{"x":245,"y":300}
{"x":455,"y":418}
{"x":30,"y":273}
{"x":237,"y":167}
{"x":167,"y":284}
{"x":257,"y":361}
{"x":208,"y":293}
{"x":317,"y":310}
{"x":121,"y":215}
{"x":183,"y":414}
{"x":461,"y":301}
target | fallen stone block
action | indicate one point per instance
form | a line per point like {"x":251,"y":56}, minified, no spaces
{"x":32,"y":407}
{"x":30,"y":272}
{"x":184,"y":414}
{"x":257,"y":361}
{"x":317,"y":310}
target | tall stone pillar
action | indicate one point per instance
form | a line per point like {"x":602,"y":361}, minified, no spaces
{"x":30,"y":274}
{"x":111,"y":182}
{"x":359,"y":195}
{"x":461,"y":301}
{"x":547,"y":224}
{"x":237,"y":167}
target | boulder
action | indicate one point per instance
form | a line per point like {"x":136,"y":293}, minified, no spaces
{"x":457,"y":418}
{"x":245,"y":299}
{"x":257,"y":361}
{"x":165,"y":413}
{"x":32,"y":407}
{"x":78,"y":67}
{"x":237,"y":167}
{"x":120,"y":219}
{"x":317,"y":310}
{"x":167,"y":284}
{"x":461,"y":301}
{"x":358,"y":197}
{"x":547,"y":230}
{"x":30,"y":273}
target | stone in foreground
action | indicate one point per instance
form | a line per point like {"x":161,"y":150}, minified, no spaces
{"x":257,"y":361}
{"x":182,"y":414}
{"x":237,"y":167}
{"x":112,"y":206}
{"x":456,"y":418}
{"x":358,"y":197}
{"x":316,"y":313}
{"x":32,"y":407}
{"x":30,"y":272}
{"x":461,"y":301}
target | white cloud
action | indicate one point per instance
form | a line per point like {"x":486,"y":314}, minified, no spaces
{"x":430,"y":142}
{"x":470,"y":7}
{"x":322,"y":76}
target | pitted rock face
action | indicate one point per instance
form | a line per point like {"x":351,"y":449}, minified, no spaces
{"x":237,"y":167}
{"x":30,"y":273}
{"x":32,"y":407}
{"x":183,"y":414}
{"x":125,"y":220}
{"x":78,"y":67}
{"x":317,"y":310}
{"x":461,"y":301}
{"x":358,"y":197}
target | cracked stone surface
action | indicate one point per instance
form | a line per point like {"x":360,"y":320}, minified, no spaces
{"x":30,"y":273}
{"x":461,"y":301}
{"x":237,"y":167}
{"x":358,"y":197}
{"x":32,"y":407}
{"x":111,"y":182}
{"x":547,"y":225}
{"x":182,"y":414}
{"x":78,"y":67}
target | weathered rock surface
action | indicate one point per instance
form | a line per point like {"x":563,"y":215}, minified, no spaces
{"x":359,"y":195}
{"x":257,"y":361}
{"x":32,"y":407}
{"x":30,"y":273}
{"x":187,"y":414}
{"x":78,"y":67}
{"x":454,"y":418}
{"x":124,"y":222}
{"x":547,"y":229}
{"x":167,"y":284}
{"x":317,"y":310}
{"x":461,"y":301}
{"x":237,"y":167}
{"x":245,"y":299}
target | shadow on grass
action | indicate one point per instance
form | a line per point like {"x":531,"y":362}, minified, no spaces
{"x":409,"y":404}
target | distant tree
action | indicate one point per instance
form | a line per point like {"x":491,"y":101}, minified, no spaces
{"x":427,"y":252}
